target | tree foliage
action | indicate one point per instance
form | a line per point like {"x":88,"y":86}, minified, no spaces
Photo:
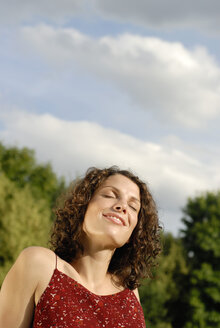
{"x":23,"y":222}
{"x":185,"y":290}
{"x":21,"y":167}
{"x":162,"y":294}
{"x":201,"y":241}
{"x":27,"y":194}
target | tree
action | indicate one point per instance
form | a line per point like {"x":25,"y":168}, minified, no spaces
{"x":201,"y":241}
{"x":27,"y":194}
{"x":21,"y":167}
{"x":23,"y":222}
{"x":161,"y":297}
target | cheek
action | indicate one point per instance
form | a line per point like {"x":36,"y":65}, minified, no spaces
{"x":92,"y":214}
{"x":133,"y":224}
{"x":135,"y":220}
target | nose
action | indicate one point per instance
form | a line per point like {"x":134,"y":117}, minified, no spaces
{"x":120,"y":207}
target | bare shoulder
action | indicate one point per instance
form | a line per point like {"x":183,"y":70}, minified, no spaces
{"x":20,"y":285}
{"x":136,"y":293}
{"x":31,"y":260}
{"x":37,"y":255}
{"x":41,"y":263}
{"x":32,"y":264}
{"x":35,"y":252}
{"x":34,"y":261}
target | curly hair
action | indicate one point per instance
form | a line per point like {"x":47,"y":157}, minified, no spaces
{"x":129,"y":263}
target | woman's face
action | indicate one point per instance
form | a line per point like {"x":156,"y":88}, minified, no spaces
{"x":112,"y":213}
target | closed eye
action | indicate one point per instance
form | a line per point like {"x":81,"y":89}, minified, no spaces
{"x":109,"y":196}
{"x":133,"y":208}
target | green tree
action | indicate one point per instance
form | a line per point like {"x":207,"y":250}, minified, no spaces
{"x":27,"y":195}
{"x":200,"y":238}
{"x":23,"y":222}
{"x":21,"y":167}
{"x":161,"y":297}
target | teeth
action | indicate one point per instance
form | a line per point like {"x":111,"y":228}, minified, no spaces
{"x":117,"y":219}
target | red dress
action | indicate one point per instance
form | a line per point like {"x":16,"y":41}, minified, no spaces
{"x":66,"y":304}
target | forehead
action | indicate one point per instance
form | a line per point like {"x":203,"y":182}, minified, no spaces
{"x":123,"y":184}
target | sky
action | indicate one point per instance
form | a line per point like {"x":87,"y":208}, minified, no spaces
{"x":129,"y":83}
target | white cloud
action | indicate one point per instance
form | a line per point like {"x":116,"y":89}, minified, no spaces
{"x":182,"y":85}
{"x":73,"y":146}
{"x":200,"y":14}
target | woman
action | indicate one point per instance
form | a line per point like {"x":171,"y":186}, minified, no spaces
{"x":104,"y":240}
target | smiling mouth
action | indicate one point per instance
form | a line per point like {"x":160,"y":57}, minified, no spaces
{"x":115,"y":219}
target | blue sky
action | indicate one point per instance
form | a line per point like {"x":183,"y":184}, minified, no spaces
{"x":136,"y":84}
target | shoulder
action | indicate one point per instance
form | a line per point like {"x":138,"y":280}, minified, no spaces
{"x":21,"y":283}
{"x":35,"y":257}
{"x":37,"y":265}
{"x":31,"y":262}
{"x":36,"y":253}
{"x":39,"y":261}
{"x":136,"y":293}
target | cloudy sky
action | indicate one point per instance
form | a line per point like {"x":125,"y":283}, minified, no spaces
{"x":131,"y":83}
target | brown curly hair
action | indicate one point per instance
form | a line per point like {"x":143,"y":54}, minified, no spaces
{"x":131,"y":262}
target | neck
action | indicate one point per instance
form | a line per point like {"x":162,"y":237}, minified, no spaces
{"x":92,"y":268}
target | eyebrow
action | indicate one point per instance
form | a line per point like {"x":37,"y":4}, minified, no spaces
{"x":132,"y":197}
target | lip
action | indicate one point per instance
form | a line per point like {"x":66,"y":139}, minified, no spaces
{"x":111,"y":215}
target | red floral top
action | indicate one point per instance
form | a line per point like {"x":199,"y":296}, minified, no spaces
{"x":66,"y":303}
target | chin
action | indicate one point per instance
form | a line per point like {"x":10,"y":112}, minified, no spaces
{"x":118,"y":243}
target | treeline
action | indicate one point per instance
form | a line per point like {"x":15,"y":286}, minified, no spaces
{"x":185,"y":289}
{"x":27,"y":195}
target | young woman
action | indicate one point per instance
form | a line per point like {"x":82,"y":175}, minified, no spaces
{"x":104,"y":240}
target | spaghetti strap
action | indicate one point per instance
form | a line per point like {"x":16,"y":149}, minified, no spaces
{"x":56,"y":261}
